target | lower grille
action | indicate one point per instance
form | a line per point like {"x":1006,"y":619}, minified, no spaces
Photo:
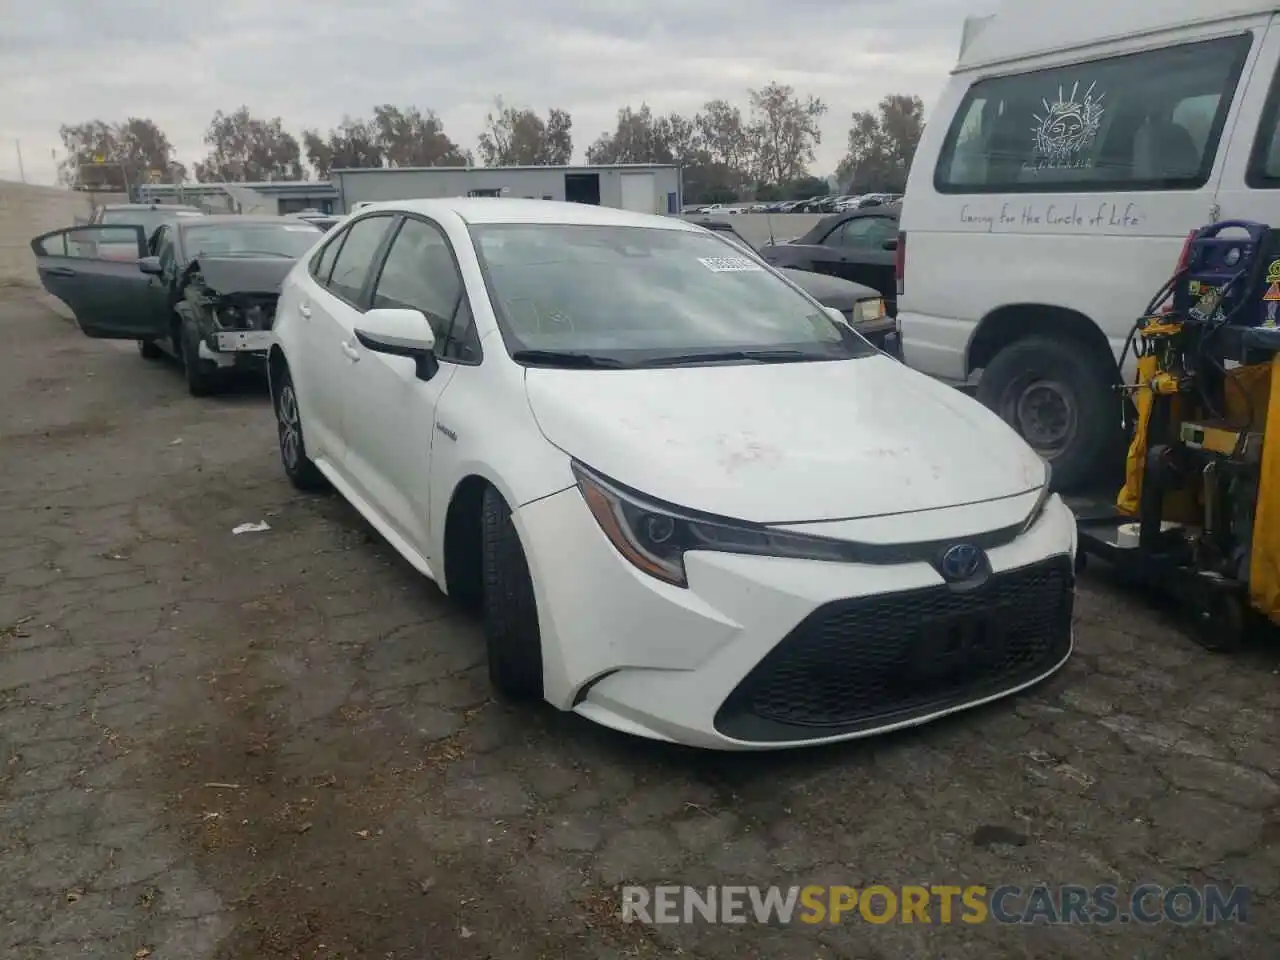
{"x":857,"y":664}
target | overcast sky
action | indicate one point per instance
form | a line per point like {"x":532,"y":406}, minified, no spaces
{"x":68,"y":61}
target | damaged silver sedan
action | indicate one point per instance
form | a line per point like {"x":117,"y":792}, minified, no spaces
{"x":202,"y":289}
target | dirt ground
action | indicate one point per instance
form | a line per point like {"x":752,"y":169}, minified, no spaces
{"x":281,"y":744}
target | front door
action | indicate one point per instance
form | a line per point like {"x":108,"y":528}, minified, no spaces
{"x":88,"y":270}
{"x":389,"y":417}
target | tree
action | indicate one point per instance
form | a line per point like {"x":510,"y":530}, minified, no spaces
{"x":882,"y":145}
{"x":244,"y":148}
{"x":353,"y":143}
{"x":138,"y":150}
{"x":638,"y":137}
{"x":784,"y":131}
{"x":411,"y":137}
{"x":726,"y":138}
{"x":520,"y":138}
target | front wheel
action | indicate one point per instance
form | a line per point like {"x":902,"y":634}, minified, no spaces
{"x":201,"y":375}
{"x":509,"y":609}
{"x":1060,"y":397}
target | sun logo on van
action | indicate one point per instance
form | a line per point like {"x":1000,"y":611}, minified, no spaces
{"x":1067,"y":128}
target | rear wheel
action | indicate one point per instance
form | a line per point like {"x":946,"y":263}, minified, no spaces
{"x":1060,"y":397}
{"x":298,"y":467}
{"x":509,"y":609}
{"x":149,"y":350}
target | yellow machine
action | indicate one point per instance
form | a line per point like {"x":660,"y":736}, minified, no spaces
{"x":1199,"y":512}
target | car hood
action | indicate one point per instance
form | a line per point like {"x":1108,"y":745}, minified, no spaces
{"x":830,"y":291}
{"x":225,"y":275}
{"x":785,"y":443}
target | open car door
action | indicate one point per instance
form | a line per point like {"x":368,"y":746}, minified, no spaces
{"x":94,"y":271}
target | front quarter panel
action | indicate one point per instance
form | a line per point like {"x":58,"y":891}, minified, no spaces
{"x":485,"y":428}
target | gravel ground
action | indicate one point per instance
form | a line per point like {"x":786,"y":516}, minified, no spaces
{"x":281,"y":744}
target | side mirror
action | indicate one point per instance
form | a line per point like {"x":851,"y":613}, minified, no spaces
{"x":890,"y":245}
{"x":400,"y":333}
{"x":151,"y":266}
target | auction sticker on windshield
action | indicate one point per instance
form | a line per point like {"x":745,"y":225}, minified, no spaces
{"x":729,"y":264}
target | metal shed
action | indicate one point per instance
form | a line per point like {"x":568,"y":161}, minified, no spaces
{"x":644,"y":188}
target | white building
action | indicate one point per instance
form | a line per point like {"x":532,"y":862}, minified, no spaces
{"x":643,"y":188}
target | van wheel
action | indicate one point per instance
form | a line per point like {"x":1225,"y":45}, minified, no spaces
{"x":509,"y":609}
{"x":1060,"y":398}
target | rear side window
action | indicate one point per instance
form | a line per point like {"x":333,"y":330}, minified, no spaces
{"x":351,"y":267}
{"x":322,"y":262}
{"x":1264,"y":161}
{"x":1144,"y":121}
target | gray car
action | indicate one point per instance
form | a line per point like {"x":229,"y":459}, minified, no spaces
{"x":862,"y":306}
{"x":202,"y":289}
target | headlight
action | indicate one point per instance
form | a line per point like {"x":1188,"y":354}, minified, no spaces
{"x":654,"y":537}
{"x":856,"y":315}
{"x":872,"y":309}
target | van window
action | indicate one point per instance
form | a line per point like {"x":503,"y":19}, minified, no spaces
{"x":1143,"y":121}
{"x":1264,"y":161}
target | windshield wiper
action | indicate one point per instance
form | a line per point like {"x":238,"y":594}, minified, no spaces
{"x":565,"y":358}
{"x":756,"y":356}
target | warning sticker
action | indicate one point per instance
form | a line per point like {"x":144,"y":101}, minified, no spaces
{"x":1193,"y":288}
{"x":729,"y":264}
{"x":1273,"y":272}
{"x":1273,"y":292}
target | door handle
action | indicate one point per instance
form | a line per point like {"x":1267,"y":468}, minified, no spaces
{"x":352,"y":353}
{"x":304,"y":310}
{"x":60,"y":272}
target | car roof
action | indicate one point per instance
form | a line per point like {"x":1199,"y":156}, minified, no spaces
{"x":151,"y":206}
{"x":240,"y":218}
{"x":482,"y":210}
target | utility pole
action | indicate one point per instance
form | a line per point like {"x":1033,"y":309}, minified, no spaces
{"x":22,"y":173}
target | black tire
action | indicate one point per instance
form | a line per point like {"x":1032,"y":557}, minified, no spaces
{"x":509,"y":609}
{"x":149,"y":350}
{"x":1060,"y":396}
{"x":298,"y":467}
{"x":202,"y":375}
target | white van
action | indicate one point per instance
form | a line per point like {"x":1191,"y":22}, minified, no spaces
{"x":1054,"y":187}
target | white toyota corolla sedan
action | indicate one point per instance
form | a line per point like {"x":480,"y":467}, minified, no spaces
{"x":689,"y":502}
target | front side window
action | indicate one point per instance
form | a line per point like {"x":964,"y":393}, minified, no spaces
{"x":354,"y":260}
{"x":1264,"y":161}
{"x":645,"y":294}
{"x":419,"y":274}
{"x":1144,"y":121}
{"x":91,"y":243}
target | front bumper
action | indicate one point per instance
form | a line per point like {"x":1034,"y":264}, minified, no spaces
{"x":239,"y":349}
{"x":763,"y":652}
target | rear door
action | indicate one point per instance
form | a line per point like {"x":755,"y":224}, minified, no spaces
{"x":107,"y":294}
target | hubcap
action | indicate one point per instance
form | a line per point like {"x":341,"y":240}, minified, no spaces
{"x":290,"y":428}
{"x":1044,"y":412}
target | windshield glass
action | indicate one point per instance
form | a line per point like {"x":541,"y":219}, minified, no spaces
{"x":149,"y":220}
{"x":286,"y":239}
{"x":643,"y":294}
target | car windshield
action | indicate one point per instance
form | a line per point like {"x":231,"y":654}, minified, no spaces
{"x":645,"y":295}
{"x":149,"y":220}
{"x":253,"y":239}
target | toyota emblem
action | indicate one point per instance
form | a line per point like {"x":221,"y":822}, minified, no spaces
{"x":961,"y":562}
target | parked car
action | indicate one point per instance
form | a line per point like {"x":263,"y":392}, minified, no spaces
{"x":857,"y":245}
{"x":689,"y":503}
{"x":325,"y":221}
{"x":148,"y":216}
{"x":862,"y":306}
{"x":203,"y":289}
{"x":1061,"y":171}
